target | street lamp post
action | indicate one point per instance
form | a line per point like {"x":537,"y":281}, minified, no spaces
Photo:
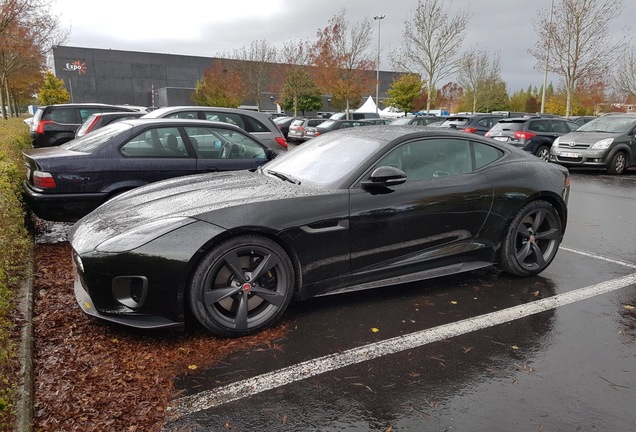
{"x":547,"y":59}
{"x":379,"y":18}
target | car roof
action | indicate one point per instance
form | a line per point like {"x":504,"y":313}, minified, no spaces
{"x":171,"y":109}
{"x":391,"y":132}
{"x":142,"y":121}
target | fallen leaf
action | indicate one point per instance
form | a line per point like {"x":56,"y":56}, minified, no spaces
{"x":375,"y":329}
{"x":536,"y":293}
{"x":453,"y":302}
{"x":628,"y":307}
{"x":192,"y":367}
{"x":514,"y":347}
{"x":466,"y":349}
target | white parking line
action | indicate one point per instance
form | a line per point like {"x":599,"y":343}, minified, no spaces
{"x":271,"y":380}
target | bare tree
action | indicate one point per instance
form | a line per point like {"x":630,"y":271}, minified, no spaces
{"x":255,"y":68}
{"x":342,"y":59}
{"x":476,"y":69}
{"x":625,"y":77}
{"x":579,"y":40}
{"x":430,"y":43}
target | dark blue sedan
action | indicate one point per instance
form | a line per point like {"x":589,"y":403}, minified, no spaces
{"x":67,"y":182}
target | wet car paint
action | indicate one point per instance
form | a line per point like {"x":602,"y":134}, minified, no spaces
{"x":567,"y":368}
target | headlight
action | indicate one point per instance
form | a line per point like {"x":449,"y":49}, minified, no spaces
{"x":141,"y":235}
{"x":603,"y":144}
{"x":555,"y":143}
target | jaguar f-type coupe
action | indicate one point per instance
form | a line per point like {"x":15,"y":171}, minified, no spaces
{"x":353,"y":209}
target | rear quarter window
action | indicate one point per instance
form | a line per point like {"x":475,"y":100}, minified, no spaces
{"x":485,"y":154}
{"x":62,"y":115}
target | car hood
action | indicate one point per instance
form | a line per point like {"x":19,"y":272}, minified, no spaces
{"x":586,"y":137}
{"x":193,"y":196}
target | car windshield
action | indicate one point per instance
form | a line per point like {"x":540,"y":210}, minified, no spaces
{"x":459,"y":121}
{"x":90,"y":142}
{"x":508,"y":126}
{"x":608,"y":124}
{"x":326,"y":124}
{"x":402,"y":121}
{"x":326,"y":161}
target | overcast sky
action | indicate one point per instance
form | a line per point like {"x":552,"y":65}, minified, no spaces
{"x":209,"y":27}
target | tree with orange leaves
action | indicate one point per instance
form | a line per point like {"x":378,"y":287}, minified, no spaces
{"x":343,"y":64}
{"x":220,"y":86}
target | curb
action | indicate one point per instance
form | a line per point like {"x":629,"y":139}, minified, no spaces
{"x":25,"y":390}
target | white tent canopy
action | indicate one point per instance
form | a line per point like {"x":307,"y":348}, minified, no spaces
{"x":367,"y":107}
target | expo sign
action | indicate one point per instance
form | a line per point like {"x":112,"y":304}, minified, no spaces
{"x":75,"y":66}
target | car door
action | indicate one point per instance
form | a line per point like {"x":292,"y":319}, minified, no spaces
{"x":155,"y":153}
{"x":434,"y":215}
{"x":220,"y":149}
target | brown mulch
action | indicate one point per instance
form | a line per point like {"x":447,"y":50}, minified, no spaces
{"x":91,"y":376}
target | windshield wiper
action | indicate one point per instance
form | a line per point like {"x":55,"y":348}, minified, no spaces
{"x":282,"y":176}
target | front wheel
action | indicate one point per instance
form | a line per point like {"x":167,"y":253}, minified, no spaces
{"x":242,"y":286}
{"x":532,"y":240}
{"x":618,"y":164}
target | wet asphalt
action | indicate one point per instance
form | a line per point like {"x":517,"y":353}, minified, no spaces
{"x":570,"y":367}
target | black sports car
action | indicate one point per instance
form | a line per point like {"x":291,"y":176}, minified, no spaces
{"x":67,"y":182}
{"x":357,"y":208}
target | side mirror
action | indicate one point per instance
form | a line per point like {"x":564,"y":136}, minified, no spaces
{"x":271,"y":153}
{"x":385,"y":176}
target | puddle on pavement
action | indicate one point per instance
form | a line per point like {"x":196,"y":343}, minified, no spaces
{"x":48,"y":232}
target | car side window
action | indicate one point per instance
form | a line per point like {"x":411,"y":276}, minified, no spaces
{"x":87,"y":112}
{"x":157,"y":142}
{"x":539,"y":126}
{"x":485,"y":154}
{"x":218,"y":143}
{"x":62,"y":115}
{"x":253,"y":125}
{"x":431,"y":158}
{"x":191,"y":115}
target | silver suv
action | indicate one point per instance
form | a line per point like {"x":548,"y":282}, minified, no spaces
{"x":258,"y":124}
{"x":607,"y":142}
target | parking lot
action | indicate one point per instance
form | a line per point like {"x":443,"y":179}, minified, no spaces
{"x":479,"y":351}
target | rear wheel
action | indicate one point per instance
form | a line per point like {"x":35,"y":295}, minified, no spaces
{"x":242,"y":286}
{"x":618,"y":164}
{"x":532,"y":240}
{"x":543,"y":153}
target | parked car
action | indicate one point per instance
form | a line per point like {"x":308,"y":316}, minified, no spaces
{"x":66,"y":182}
{"x":418,"y":120}
{"x":534,"y":134}
{"x":472,"y":123}
{"x":607,"y":142}
{"x":231,"y":249}
{"x":379,"y":121}
{"x":299,"y":126}
{"x":54,"y":125}
{"x":259,"y":124}
{"x":283,"y":124}
{"x":354,"y":116}
{"x":98,"y":120}
{"x":332,"y":125}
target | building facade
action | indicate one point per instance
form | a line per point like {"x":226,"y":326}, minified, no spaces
{"x":146,"y":79}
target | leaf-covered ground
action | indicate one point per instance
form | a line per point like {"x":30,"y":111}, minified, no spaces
{"x":91,"y":376}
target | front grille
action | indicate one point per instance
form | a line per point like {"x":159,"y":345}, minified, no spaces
{"x":573,"y":145}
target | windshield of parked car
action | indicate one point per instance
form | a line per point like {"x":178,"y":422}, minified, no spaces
{"x":326,"y":124}
{"x":325,"y":161}
{"x":402,"y":121}
{"x":609,"y":124}
{"x":458,"y":121}
{"x":91,"y":141}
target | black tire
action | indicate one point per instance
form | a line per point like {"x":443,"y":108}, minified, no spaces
{"x":532,"y":240}
{"x":242,"y":286}
{"x":618,"y":164}
{"x":543,"y":153}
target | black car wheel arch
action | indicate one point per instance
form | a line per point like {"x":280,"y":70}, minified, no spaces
{"x":242,"y":286}
{"x":532,"y":239}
